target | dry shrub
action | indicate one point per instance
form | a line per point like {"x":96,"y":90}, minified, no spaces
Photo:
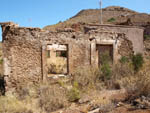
{"x":105,"y":104}
{"x":119,"y":71}
{"x":36,"y":98}
{"x":25,"y":90}
{"x":27,"y":93}
{"x":74,"y":93}
{"x":91,"y":77}
{"x":138,"y":84}
{"x":52,"y":98}
{"x":122,"y":70}
{"x":10,"y":104}
{"x":88,"y":77}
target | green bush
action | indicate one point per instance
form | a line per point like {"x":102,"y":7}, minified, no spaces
{"x":137,"y":61}
{"x":105,"y":65}
{"x":111,"y":20}
{"x":74,"y":93}
{"x":146,"y":37}
{"x":124,"y":60}
{"x":106,"y":70}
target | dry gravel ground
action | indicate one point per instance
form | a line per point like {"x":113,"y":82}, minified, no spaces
{"x":128,"y":109}
{"x":118,"y":95}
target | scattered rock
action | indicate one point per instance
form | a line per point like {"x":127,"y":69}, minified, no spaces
{"x":84,"y":99}
{"x":120,"y":104}
{"x":95,"y":111}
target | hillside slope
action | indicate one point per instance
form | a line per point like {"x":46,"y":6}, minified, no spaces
{"x":111,"y":15}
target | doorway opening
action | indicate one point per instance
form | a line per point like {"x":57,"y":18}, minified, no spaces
{"x":105,"y":54}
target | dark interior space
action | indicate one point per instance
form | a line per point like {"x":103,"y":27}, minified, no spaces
{"x":105,"y":54}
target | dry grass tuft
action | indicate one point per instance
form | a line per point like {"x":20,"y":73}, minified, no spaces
{"x":52,"y":98}
{"x":31,"y":98}
{"x":12,"y":105}
{"x":88,"y":78}
{"x":138,"y":84}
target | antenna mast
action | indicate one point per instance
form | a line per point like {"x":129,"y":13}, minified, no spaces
{"x":101,"y":12}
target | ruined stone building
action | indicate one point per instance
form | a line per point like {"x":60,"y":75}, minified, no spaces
{"x":36,"y":54}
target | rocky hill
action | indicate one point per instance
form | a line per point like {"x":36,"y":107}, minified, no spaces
{"x":111,"y":15}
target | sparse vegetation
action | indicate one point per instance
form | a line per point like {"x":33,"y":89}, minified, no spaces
{"x":88,"y":78}
{"x":106,"y":70}
{"x":137,"y":84}
{"x":52,"y":98}
{"x":124,"y":60}
{"x":105,"y":65}
{"x":74,"y":93}
{"x":10,"y":104}
{"x":104,"y":104}
{"x":137,"y":61}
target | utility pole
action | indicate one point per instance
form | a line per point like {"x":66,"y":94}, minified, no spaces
{"x":101,"y":12}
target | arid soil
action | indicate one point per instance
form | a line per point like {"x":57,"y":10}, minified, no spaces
{"x":117,"y":95}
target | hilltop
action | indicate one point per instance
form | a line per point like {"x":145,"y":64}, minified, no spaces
{"x":111,"y":15}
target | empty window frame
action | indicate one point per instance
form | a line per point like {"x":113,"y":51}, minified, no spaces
{"x":57,"y":62}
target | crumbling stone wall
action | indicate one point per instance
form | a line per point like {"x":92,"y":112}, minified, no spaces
{"x":25,"y":49}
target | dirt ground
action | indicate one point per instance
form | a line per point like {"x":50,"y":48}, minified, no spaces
{"x":129,"y":109}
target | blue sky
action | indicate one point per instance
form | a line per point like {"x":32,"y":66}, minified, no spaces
{"x":39,"y":13}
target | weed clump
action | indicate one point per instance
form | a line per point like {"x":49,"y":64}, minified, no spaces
{"x":52,"y":98}
{"x":106,"y":62}
{"x":87,"y":78}
{"x":106,"y":70}
{"x":124,"y":60}
{"x":10,"y":104}
{"x":74,"y":93}
{"x":137,"y":61}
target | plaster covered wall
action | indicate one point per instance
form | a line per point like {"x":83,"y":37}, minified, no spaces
{"x":133,"y":33}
